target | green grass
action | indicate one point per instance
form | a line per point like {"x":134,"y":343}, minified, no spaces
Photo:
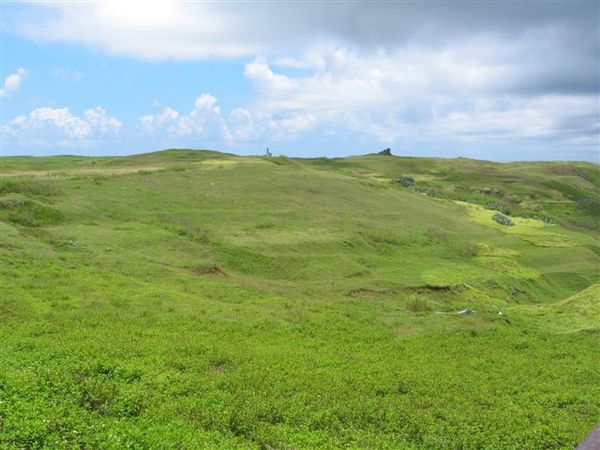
{"x":191,"y":299}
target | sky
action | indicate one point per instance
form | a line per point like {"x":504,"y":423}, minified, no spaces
{"x":490,"y":80}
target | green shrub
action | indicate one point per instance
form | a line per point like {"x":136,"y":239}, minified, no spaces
{"x":418,"y":305}
{"x":28,"y":213}
{"x":27,"y":187}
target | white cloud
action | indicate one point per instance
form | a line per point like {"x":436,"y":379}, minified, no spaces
{"x":49,"y":126}
{"x":207,"y":101}
{"x":204,"y":121}
{"x":430,"y":93}
{"x":207,"y":122}
{"x":261,"y":73}
{"x":562,"y":117}
{"x":288,"y":127}
{"x":384,"y":98}
{"x":150,"y":30}
{"x":100,"y":122}
{"x":242,"y":126}
{"x":12,"y":83}
{"x":149,"y":123}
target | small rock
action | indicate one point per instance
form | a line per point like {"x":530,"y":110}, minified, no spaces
{"x":496,"y":206}
{"x":502,"y":220}
{"x":405,"y":181}
{"x":489,"y":191}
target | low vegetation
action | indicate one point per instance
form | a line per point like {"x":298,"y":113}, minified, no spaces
{"x":193,"y":299}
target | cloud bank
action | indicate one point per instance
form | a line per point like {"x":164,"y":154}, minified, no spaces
{"x":48,"y":126}
{"x":474,"y":72}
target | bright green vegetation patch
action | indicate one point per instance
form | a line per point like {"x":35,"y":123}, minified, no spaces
{"x":202,"y":300}
{"x":537,"y":232}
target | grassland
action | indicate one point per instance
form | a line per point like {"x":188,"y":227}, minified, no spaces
{"x":194,"y":299}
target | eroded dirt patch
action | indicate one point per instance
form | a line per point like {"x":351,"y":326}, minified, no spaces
{"x":210,"y":269}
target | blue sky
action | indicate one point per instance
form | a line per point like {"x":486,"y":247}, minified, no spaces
{"x":489,"y":80}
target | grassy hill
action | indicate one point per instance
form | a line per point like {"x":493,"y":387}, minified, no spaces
{"x":194,"y":299}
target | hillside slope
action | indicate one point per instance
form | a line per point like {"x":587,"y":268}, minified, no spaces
{"x":186,"y":299}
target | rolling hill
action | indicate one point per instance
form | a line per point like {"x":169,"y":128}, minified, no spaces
{"x":195,"y":299}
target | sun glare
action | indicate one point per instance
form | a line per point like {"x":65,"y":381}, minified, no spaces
{"x":137,"y":12}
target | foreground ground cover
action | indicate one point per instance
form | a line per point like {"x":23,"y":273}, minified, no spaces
{"x":201,"y":300}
